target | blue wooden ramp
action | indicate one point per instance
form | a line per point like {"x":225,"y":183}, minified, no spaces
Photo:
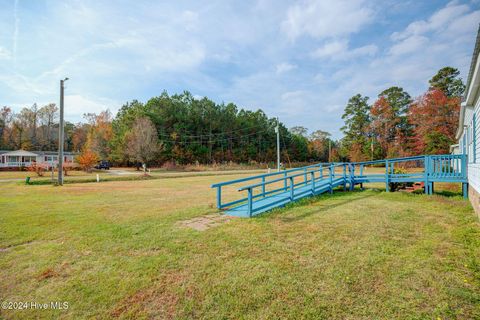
{"x":264,"y":192}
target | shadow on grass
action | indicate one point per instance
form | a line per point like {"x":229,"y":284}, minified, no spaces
{"x":447,"y":193}
{"x":323,"y":208}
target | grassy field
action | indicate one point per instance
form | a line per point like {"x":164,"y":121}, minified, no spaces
{"x":115,"y":174}
{"x":117,"y":250}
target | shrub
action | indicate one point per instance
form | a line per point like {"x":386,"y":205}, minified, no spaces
{"x":39,"y":169}
{"x":87,"y":160}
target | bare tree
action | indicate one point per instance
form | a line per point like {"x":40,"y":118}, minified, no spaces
{"x":48,"y":116}
{"x":142,"y":141}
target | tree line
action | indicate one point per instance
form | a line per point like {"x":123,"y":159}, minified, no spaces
{"x":182,"y":129}
{"x":396,"y":125}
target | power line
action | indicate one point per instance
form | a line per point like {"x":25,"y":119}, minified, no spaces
{"x":215,"y":134}
{"x":212,"y":141}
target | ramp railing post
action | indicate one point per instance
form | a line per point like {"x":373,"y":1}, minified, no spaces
{"x":344,"y":177}
{"x":361,"y":175}
{"x":387,"y":176}
{"x":352,"y":176}
{"x":219,"y":197}
{"x":305,"y":176}
{"x":291,"y":188}
{"x":285,"y":180}
{"x":250,"y":204}
{"x":312,"y":175}
{"x":331,"y":177}
{"x":263,"y":186}
{"x":426,"y":170}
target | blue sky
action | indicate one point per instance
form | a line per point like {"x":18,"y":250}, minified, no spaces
{"x":298,"y":60}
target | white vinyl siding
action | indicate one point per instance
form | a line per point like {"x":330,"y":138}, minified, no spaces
{"x":473,"y":149}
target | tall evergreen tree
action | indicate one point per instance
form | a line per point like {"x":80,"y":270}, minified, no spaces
{"x":356,"y":129}
{"x":447,"y":80}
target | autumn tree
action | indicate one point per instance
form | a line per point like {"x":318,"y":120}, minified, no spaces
{"x":100,"y":133}
{"x":5,"y":129}
{"x":142,"y":141}
{"x":320,"y":144}
{"x":87,"y":160}
{"x":434,"y":117}
{"x":389,"y":125}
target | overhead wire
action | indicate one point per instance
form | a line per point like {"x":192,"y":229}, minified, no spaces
{"x":211,"y":140}
{"x":215,"y":134}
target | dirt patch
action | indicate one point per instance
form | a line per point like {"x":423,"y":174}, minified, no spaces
{"x":205,"y":222}
{"x":48,"y":273}
{"x":159,"y":301}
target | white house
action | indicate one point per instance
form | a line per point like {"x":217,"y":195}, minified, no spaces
{"x":22,"y":158}
{"x":468,"y":132}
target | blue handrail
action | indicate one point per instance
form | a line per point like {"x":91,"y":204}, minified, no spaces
{"x":436,"y":168}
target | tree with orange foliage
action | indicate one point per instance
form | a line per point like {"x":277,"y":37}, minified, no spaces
{"x":87,"y":160}
{"x":100,"y":133}
{"x":434,"y":117}
{"x":389,"y":125}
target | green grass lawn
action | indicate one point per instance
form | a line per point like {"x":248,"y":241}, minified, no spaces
{"x":116,"y":250}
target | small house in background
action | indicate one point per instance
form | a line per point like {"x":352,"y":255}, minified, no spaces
{"x":21,"y":158}
{"x":468,"y":132}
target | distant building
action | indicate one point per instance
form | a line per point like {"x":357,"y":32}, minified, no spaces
{"x":468,"y":132}
{"x":22,"y":158}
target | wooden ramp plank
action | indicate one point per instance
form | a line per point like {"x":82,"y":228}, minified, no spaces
{"x":281,"y":199}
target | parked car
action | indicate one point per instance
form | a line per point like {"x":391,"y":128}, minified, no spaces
{"x":103,"y":164}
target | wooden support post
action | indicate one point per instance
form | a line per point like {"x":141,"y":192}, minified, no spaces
{"x":263,"y":186}
{"x":352,"y":176}
{"x":331,"y":178}
{"x":219,"y":197}
{"x":250,"y":204}
{"x":387,"y":176}
{"x":292,"y":195}
{"x":344,"y":177}
{"x":426,"y":169}
{"x":305,"y":176}
{"x":312,"y":175}
{"x":431,"y":189}
{"x":285,"y":180}
{"x":465,"y":190}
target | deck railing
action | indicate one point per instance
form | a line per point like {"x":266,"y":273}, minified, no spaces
{"x":284,"y":182}
{"x":285,"y":186}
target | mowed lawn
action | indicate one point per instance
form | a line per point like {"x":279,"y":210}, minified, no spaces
{"x":117,"y":250}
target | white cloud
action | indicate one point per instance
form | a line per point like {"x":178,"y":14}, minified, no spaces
{"x":408,"y":45}
{"x":190,"y":20}
{"x":439,"y":20}
{"x":339,"y":50}
{"x":326,"y":19}
{"x":5,"y":54}
{"x":77,"y":105}
{"x":284,"y":67}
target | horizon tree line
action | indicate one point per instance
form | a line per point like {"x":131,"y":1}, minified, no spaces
{"x":181,"y":129}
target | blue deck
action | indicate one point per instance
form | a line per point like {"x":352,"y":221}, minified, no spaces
{"x":264,"y":193}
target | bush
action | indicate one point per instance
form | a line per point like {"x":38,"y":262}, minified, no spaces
{"x":39,"y":169}
{"x":87,"y":160}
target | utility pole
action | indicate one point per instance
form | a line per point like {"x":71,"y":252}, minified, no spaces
{"x":277,"y":131}
{"x":61,"y":138}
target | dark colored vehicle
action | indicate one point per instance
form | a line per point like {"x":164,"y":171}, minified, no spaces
{"x":103,"y":164}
